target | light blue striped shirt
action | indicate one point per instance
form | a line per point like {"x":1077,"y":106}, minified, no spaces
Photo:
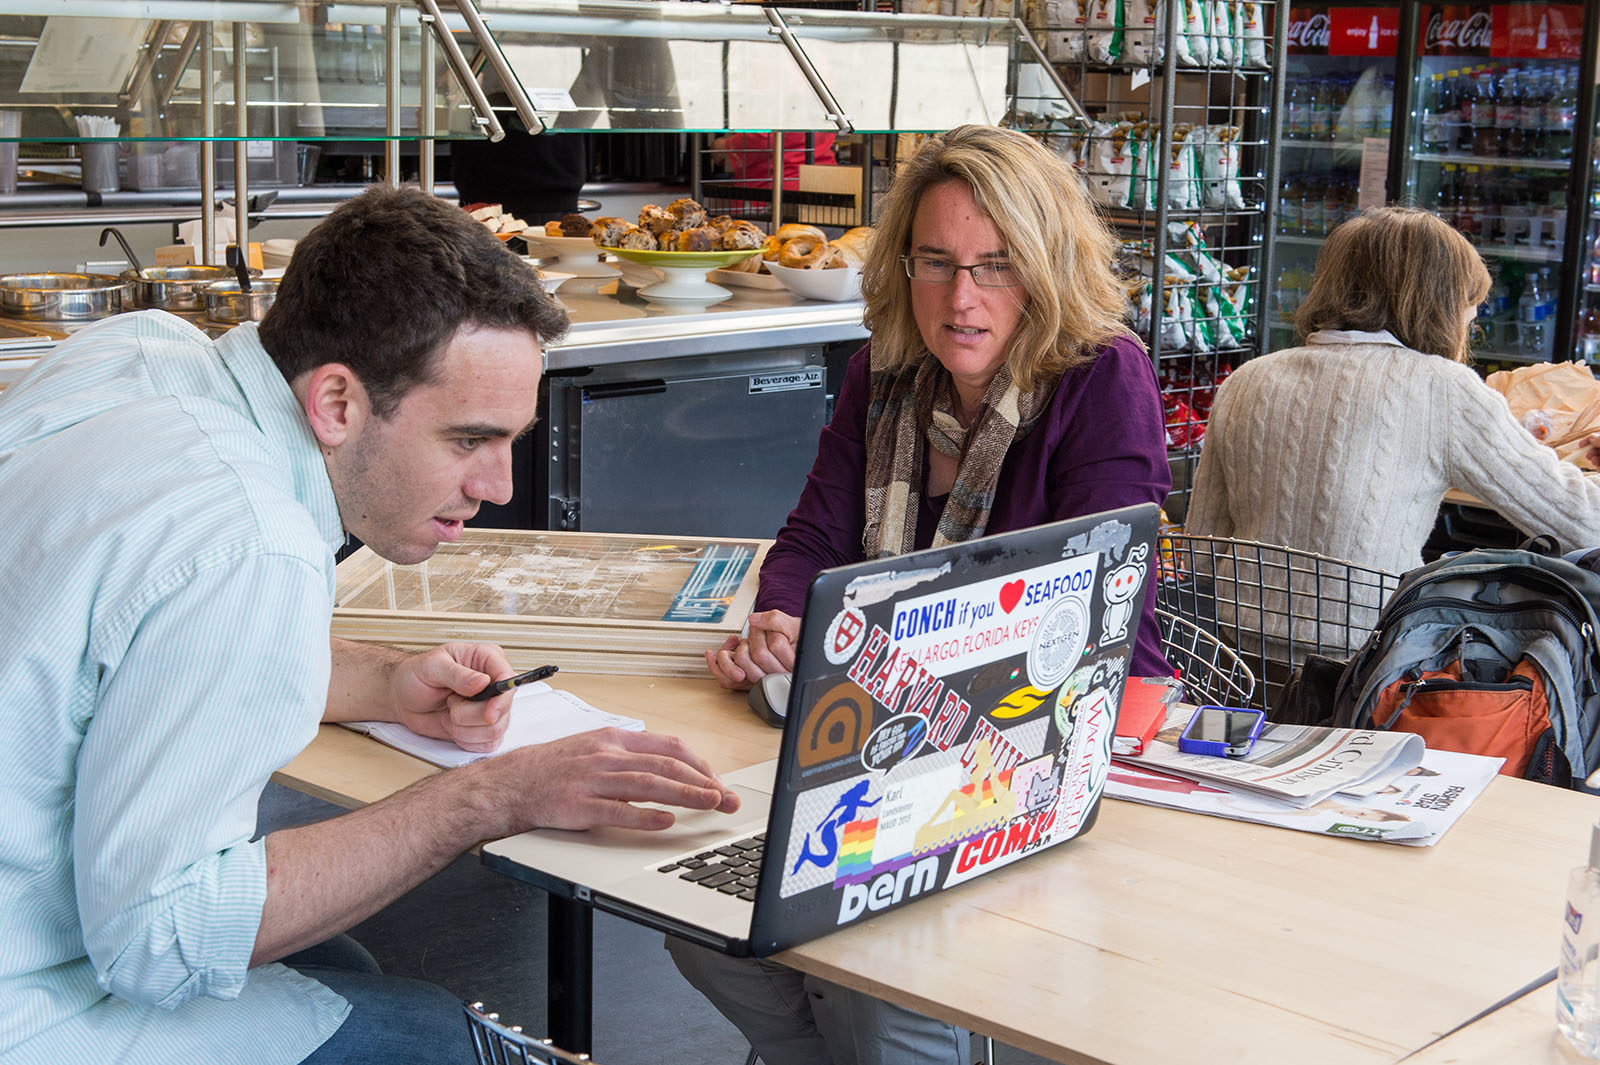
{"x":166,"y":582}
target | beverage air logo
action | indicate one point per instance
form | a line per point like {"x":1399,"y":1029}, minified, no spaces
{"x":967,"y":627}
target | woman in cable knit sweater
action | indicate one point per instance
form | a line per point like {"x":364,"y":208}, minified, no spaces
{"x":1345,"y":446}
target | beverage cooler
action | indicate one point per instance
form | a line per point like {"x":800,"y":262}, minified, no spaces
{"x":1489,"y":144}
{"x":1338,"y":113}
{"x":1476,"y":111}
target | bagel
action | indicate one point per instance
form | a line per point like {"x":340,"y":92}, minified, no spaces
{"x":855,"y":244}
{"x":803,"y":253}
{"x":794,"y":229}
{"x":770,"y":248}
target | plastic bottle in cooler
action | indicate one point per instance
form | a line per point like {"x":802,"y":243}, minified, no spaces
{"x":1312,"y":221}
{"x":1589,"y":335}
{"x":1458,"y":115}
{"x":1485,"y":113}
{"x":1332,"y":204}
{"x":1533,"y":327}
{"x":1508,"y":112}
{"x":1436,"y":108}
{"x":1562,"y":115}
{"x":1295,"y":105}
{"x":1536,"y":93}
{"x":1289,"y":206}
{"x":1320,"y":124}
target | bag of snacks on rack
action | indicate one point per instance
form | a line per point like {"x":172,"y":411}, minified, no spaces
{"x":1219,"y":167}
{"x":1177,"y":313}
{"x":1221,"y":33}
{"x":1064,"y":31}
{"x":1110,"y":163}
{"x":1144,"y":32}
{"x":1146,"y":140}
{"x":1250,"y":31}
{"x":1104,"y":20}
{"x":1239,"y":290}
{"x":1183,"y":174}
{"x":1139,"y":306}
{"x":1193,"y":40}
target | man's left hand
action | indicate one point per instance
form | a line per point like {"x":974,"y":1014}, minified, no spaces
{"x":431,"y":689}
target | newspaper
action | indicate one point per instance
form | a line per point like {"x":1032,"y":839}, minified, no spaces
{"x":1415,"y":810}
{"x":1298,"y":765}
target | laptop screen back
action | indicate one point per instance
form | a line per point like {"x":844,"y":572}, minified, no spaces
{"x":952,"y":711}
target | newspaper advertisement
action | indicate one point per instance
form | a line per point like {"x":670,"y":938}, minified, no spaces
{"x":1415,"y":808}
{"x":1299,"y":765}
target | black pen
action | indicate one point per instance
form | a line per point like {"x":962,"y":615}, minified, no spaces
{"x":500,"y":687}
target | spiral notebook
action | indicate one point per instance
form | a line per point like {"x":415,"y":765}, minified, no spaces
{"x":539,"y":714}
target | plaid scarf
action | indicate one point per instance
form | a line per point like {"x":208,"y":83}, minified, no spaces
{"x":912,"y":404}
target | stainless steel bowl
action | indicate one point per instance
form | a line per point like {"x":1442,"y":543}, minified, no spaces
{"x":63,"y":297}
{"x":175,"y":288}
{"x":225,"y":303}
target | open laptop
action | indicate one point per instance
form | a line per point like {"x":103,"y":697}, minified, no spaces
{"x":951,"y":712}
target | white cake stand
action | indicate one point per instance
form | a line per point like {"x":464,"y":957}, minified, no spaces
{"x":684,"y":272}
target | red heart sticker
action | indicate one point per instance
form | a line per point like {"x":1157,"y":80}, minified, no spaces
{"x":1010,"y":595}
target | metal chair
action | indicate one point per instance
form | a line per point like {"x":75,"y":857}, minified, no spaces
{"x":494,"y":1043}
{"x":1273,"y":605}
{"x":1210,"y":670}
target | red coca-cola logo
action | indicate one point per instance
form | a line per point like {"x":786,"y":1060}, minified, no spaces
{"x":1311,"y":32}
{"x":1472,"y":33}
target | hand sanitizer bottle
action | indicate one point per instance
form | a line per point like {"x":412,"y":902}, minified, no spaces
{"x":1578,"y":979}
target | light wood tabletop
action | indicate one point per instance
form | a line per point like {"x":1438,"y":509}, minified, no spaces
{"x":1161,"y":936}
{"x":1523,"y":1032}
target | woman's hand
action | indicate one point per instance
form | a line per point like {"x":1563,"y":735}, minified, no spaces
{"x":769,"y":648}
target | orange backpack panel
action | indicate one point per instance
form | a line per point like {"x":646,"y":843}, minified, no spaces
{"x":1502,"y":720}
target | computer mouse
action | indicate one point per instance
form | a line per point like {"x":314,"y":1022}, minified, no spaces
{"x":769,"y":698}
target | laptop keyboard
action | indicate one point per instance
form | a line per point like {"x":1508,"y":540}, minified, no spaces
{"x":732,"y":868}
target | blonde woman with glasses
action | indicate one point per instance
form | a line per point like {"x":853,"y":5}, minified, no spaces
{"x":1001,"y":389}
{"x":1346,"y":445}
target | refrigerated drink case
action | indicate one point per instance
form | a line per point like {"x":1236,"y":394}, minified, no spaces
{"x":1495,"y":90}
{"x":1339,"y":91}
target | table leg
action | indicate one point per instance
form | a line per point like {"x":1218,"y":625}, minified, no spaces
{"x":569,"y":974}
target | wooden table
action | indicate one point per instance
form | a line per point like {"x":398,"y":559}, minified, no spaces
{"x":1523,"y":1032}
{"x":1162,"y":936}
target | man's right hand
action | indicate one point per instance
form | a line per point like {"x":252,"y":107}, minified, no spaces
{"x":594,"y":778}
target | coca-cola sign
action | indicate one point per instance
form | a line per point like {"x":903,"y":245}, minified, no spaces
{"x":1458,"y":30}
{"x":1537,"y":31}
{"x":1309,"y":31}
{"x":1363,"y":31}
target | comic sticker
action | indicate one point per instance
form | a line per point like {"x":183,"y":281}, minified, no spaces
{"x":1120,"y":585}
{"x":894,"y":741}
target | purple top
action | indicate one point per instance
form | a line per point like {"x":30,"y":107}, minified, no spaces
{"x":1100,"y":444}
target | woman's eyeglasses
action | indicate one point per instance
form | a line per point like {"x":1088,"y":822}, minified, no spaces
{"x":941,"y":271}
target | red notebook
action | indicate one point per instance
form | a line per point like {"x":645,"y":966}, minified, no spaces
{"x":1145,"y":703}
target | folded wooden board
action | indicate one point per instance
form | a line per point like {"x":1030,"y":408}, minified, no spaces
{"x":639,"y":604}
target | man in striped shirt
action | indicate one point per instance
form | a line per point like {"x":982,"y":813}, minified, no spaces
{"x":172,"y":506}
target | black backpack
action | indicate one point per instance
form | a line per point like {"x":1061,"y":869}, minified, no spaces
{"x":1489,"y":652}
